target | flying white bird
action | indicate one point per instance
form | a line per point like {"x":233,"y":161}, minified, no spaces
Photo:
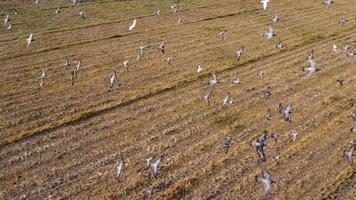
{"x":8,"y":27}
{"x":161,"y":47}
{"x":112,"y":79}
{"x":148,"y":162}
{"x":169,"y":60}
{"x":270,"y":33}
{"x":133,"y":25}
{"x":119,"y":168}
{"x":275,"y":19}
{"x":349,"y":153}
{"x":294,"y":135}
{"x":81,"y":13}
{"x":334,"y":48}
{"x":66,"y":61}
{"x":43,"y":74}
{"x":126,"y":64}
{"x":206,"y":96}
{"x":179,"y":20}
{"x":57,"y":11}
{"x":236,"y":81}
{"x":158,"y":13}
{"x":37,"y":2}
{"x":142,"y":52}
{"x":29,"y":39}
{"x":174,"y":9}
{"x":265,"y":3}
{"x":267,"y":180}
{"x":222,"y":34}
{"x":214,"y":80}
{"x":155,"y":167}
{"x":77,"y":67}
{"x":7,"y":19}
{"x":199,"y":69}
{"x":227,"y":100}
{"x":239,"y":53}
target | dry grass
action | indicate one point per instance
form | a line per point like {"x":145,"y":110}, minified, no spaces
{"x":63,"y":141}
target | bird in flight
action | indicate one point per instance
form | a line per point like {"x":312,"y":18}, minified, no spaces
{"x":133,"y":25}
{"x":214,"y":80}
{"x":112,"y":79}
{"x":267,"y":180}
{"x":119,"y":168}
{"x":239,"y":53}
{"x":206,"y":97}
{"x":29,"y":40}
{"x":349,"y":153}
{"x":260,"y":144}
{"x":265,"y":3}
{"x":270,"y":33}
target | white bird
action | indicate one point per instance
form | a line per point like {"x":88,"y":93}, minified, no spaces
{"x":214,"y":80}
{"x":260,"y":74}
{"x":133,"y":25}
{"x":179,"y":20}
{"x":148,"y":162}
{"x":37,"y":2}
{"x":155,"y":166}
{"x":270,"y":33}
{"x":227,"y":100}
{"x":41,"y":82}
{"x":29,"y":39}
{"x":349,"y":153}
{"x":294,"y":135}
{"x":334,"y":48}
{"x":312,"y":68}
{"x":81,"y":13}
{"x":265,"y":3}
{"x":57,"y":11}
{"x":328,"y":3}
{"x":206,"y":96}
{"x":142,"y":52}
{"x":126,"y":64}
{"x":66,"y":61}
{"x":169,"y":60}
{"x":78,"y":67}
{"x":277,"y":157}
{"x":158,"y":13}
{"x":8,"y":27}
{"x":199,"y":69}
{"x":119,"y":168}
{"x":43,"y":74}
{"x":112,"y":79}
{"x":239,"y":53}
{"x":174,"y":9}
{"x":236,"y":80}
{"x":7,"y":19}
{"x":161,"y":47}
{"x":279,"y":45}
{"x":267,"y":180}
{"x":222,"y":34}
{"x":275,"y":19}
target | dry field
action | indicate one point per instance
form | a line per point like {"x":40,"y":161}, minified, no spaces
{"x":64,"y":142}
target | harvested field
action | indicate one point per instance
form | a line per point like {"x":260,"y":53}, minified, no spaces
{"x":64,"y":141}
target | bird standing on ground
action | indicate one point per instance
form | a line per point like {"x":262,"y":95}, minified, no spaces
{"x":294,"y":135}
{"x":227,"y":99}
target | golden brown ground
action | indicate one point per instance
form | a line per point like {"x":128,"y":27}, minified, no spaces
{"x":63,"y":141}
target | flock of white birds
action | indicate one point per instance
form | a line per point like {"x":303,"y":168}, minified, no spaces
{"x":265,"y":178}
